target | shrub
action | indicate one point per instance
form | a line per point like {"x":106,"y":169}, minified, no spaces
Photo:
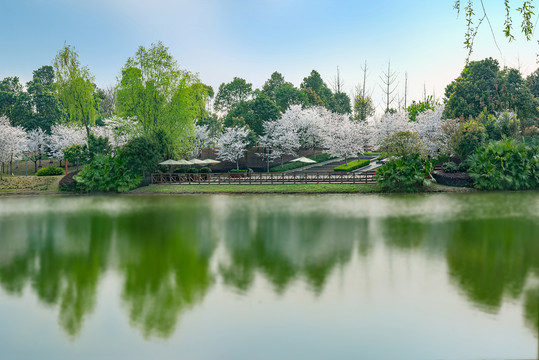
{"x":236,"y":171}
{"x":450,"y":167}
{"x":50,"y":171}
{"x":67,"y":183}
{"x":353,"y":165}
{"x":464,"y":166}
{"x":470,"y":136}
{"x":402,"y":143}
{"x":76,"y":154}
{"x":180,"y":171}
{"x":504,"y":165}
{"x":205,"y":170}
{"x":107,"y":173}
{"x":144,"y":154}
{"x":192,"y":171}
{"x":404,"y":174}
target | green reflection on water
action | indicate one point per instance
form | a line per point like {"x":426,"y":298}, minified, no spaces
{"x":163,"y":248}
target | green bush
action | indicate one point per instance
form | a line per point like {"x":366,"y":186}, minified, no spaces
{"x":180,"y":171}
{"x":352,"y":165}
{"x":470,"y":136}
{"x":504,"y":165}
{"x":205,"y":170}
{"x":192,"y":171}
{"x":404,"y":174}
{"x":236,"y":171}
{"x":50,"y":171}
{"x":402,"y":143}
{"x":450,"y":167}
{"x":464,"y":166}
{"x":107,"y":173}
{"x":143,"y":154}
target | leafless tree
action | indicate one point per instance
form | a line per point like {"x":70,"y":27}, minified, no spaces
{"x":389,"y":86}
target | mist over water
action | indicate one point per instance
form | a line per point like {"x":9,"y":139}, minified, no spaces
{"x":288,"y":277}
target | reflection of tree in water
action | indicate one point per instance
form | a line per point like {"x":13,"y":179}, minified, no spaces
{"x":62,"y":261}
{"x":165,"y":260}
{"x":531,"y":306}
{"x":284,"y":247}
{"x":492,"y":258}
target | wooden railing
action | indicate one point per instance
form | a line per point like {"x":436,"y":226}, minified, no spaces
{"x":265,"y":179}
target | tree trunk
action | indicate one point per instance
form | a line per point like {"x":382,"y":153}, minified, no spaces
{"x":237,"y":164}
{"x":35,"y":166}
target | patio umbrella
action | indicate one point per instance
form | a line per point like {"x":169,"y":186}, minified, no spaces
{"x":184,"y":162}
{"x":197,"y":162}
{"x":211,"y":162}
{"x":171,"y":163}
{"x":304,"y":160}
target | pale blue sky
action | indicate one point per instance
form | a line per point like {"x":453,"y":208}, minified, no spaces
{"x":221,"y":39}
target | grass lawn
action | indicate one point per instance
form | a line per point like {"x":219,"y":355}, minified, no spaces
{"x":259,"y":189}
{"x":29,"y":184}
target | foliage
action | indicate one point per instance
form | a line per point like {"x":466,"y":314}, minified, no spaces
{"x":143,"y":154}
{"x":404,"y":174}
{"x":363,"y":107}
{"x":504,"y":165}
{"x":50,"y":171}
{"x":450,"y":167}
{"x":75,"y":88}
{"x":192,"y":171}
{"x":416,"y":108}
{"x":352,"y":165}
{"x":464,"y":165}
{"x":76,"y":154}
{"x":470,"y":136}
{"x":237,"y":171}
{"x":231,"y":94}
{"x":205,"y":170}
{"x":98,"y":145}
{"x":106,"y":174}
{"x":164,"y":99}
{"x":402,"y":143}
{"x":231,"y":144}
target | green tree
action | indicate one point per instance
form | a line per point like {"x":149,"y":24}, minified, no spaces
{"x":271,"y":86}
{"x":533,"y":83}
{"x":164,"y":98}
{"x":340,"y":103}
{"x":48,"y":109}
{"x":75,"y":88}
{"x":319,"y":93}
{"x":15,"y":103}
{"x":231,"y":94}
{"x":363,"y":107}
{"x":287,"y":95}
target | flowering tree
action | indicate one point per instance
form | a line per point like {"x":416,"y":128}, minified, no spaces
{"x":231,"y":144}
{"x":64,"y":136}
{"x":202,"y":139}
{"x":12,"y":143}
{"x":383,"y":127}
{"x":118,"y":130}
{"x":281,"y":137}
{"x":428,"y":126}
{"x":343,"y":137}
{"x":36,"y":145}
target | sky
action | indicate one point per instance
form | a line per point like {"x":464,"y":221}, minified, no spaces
{"x":221,"y":39}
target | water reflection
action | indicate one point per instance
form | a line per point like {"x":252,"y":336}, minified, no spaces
{"x":170,"y":252}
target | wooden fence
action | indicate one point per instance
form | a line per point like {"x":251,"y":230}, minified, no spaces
{"x":265,"y":179}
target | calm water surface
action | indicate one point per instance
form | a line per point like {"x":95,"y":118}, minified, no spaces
{"x":270,"y":277}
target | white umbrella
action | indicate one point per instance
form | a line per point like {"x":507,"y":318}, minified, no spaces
{"x":197,"y":162}
{"x":184,"y":162}
{"x":211,"y":162}
{"x":170,"y":162}
{"x":304,"y":160}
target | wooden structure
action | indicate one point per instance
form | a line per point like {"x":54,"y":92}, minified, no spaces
{"x":265,"y":179}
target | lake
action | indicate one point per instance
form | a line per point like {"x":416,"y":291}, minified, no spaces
{"x":428,"y":276}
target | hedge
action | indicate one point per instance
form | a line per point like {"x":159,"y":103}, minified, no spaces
{"x":353,"y":165}
{"x":50,"y":171}
{"x":236,"y":171}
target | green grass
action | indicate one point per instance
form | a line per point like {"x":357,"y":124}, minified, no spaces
{"x":259,"y":189}
{"x":296,"y":165}
{"x":371,"y":153}
{"x":29,"y":184}
{"x":352,"y":165}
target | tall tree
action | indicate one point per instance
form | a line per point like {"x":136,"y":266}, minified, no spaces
{"x":389,"y":86}
{"x":232,"y":93}
{"x":316,"y":90}
{"x":47,"y":107}
{"x":164,"y":98}
{"x":75,"y":88}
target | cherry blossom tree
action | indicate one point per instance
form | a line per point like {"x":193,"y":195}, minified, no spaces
{"x":343,"y":137}
{"x":63,"y":136}
{"x":281,"y":137}
{"x":12,"y":143}
{"x":202,"y":139}
{"x":381,"y":128}
{"x":36,"y":145}
{"x":231,"y":144}
{"x":428,"y":126}
{"x":118,"y":130}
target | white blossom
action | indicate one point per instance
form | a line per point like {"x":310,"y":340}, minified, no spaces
{"x":428,"y":126}
{"x":12,"y":142}
{"x":232,"y":143}
{"x":202,"y":139}
{"x":382,"y":127}
{"x":63,"y":136}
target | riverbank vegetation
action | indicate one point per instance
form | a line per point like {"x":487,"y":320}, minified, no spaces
{"x":158,"y":111}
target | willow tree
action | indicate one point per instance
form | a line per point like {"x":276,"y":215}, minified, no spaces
{"x":164,"y":98}
{"x":75,"y":88}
